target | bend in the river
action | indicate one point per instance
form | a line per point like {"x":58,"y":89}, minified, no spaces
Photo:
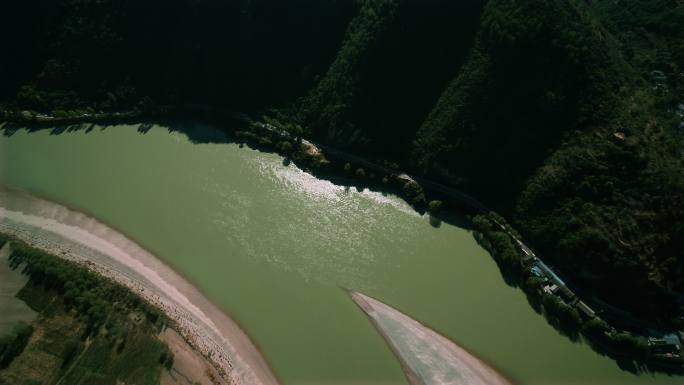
{"x":271,"y":245}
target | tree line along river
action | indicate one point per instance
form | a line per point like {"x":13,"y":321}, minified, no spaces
{"x":274,"y":247}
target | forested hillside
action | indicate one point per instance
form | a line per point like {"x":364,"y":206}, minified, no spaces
{"x":559,"y":114}
{"x":110,"y":54}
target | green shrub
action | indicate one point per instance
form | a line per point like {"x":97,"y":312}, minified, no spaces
{"x":285,"y":146}
{"x":629,"y":344}
{"x":168,"y":363}
{"x":71,"y":348}
{"x":534,"y":283}
{"x":595,"y":327}
{"x":434,"y":206}
{"x":419,"y":200}
{"x":92,"y":296}
{"x":264,"y":141}
{"x":60,"y":114}
{"x":411,"y":188}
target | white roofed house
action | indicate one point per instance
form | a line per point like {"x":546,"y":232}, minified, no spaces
{"x":668,"y":345}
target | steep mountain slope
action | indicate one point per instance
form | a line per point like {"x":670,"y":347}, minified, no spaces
{"x":608,"y":204}
{"x":538,"y":71}
{"x":110,"y":54}
{"x":389,"y":72}
{"x":545,"y":118}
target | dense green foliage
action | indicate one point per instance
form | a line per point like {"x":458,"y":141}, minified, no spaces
{"x":564,"y":316}
{"x":388,"y":73}
{"x":536,"y":72}
{"x":650,"y":32}
{"x":91,"y":296}
{"x":111,"y":54}
{"x":608,"y":204}
{"x":89,"y":330}
{"x":559,"y":114}
{"x":138,"y":360}
{"x":528,"y":122}
{"x":13,"y":343}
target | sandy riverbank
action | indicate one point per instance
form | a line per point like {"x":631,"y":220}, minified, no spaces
{"x":427,"y":357}
{"x":77,"y":237}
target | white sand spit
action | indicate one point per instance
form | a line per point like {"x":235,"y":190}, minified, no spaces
{"x":427,"y":357}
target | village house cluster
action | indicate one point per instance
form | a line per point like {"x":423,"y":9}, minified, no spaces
{"x":666,"y":345}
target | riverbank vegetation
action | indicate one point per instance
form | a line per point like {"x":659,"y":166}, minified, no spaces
{"x":89,"y":330}
{"x":558,"y":114}
{"x":12,"y":344}
{"x":632,"y":345}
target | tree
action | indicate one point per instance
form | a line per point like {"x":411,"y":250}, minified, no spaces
{"x":595,"y":327}
{"x":166,"y":358}
{"x":168,"y":363}
{"x":434,"y":206}
{"x":534,"y":283}
{"x":71,"y":347}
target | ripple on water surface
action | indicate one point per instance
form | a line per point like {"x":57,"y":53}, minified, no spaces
{"x":272,"y":244}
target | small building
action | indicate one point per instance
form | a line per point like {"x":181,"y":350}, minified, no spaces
{"x":405,"y":178}
{"x":658,"y":76}
{"x":585,"y":310}
{"x":669,"y":343}
{"x":557,"y":286}
{"x":527,"y":259}
{"x":528,"y":256}
{"x":550,"y":273}
{"x":536,"y":271}
{"x":561,"y":291}
{"x":551,"y":289}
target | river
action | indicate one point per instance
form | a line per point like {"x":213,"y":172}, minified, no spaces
{"x":274,"y":247}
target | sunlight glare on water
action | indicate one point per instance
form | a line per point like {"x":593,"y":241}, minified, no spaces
{"x":272,"y":246}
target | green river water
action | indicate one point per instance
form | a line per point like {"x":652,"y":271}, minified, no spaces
{"x":274,"y":246}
